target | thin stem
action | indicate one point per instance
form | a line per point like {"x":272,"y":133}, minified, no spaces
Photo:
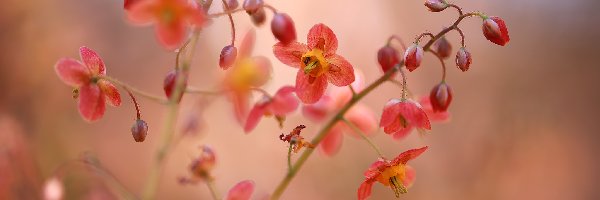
{"x":352,"y":90}
{"x":462,"y":36}
{"x":399,"y":84}
{"x":270,"y":7}
{"x":179,"y":53}
{"x":226,"y":8}
{"x":135,"y":103}
{"x":446,"y":30}
{"x":441,"y":61}
{"x":404,"y":87}
{"x":227,"y":12}
{"x":364,"y":136}
{"x":194,"y":90}
{"x":210,"y":183}
{"x":399,"y":39}
{"x":459,"y":9}
{"x":308,"y":152}
{"x":289,"y":158}
{"x":139,"y":92}
{"x":423,"y":35}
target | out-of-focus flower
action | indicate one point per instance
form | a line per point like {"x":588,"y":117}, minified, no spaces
{"x":85,"y":77}
{"x":53,"y":189}
{"x":170,"y":82}
{"x":241,"y":191}
{"x":204,"y":163}
{"x":440,"y":117}
{"x":395,"y":174}
{"x":172,"y":18}
{"x":443,"y":47}
{"x":387,"y":57}
{"x":318,"y":63}
{"x":281,"y":104}
{"x":413,"y":57}
{"x":401,"y":116}
{"x":494,"y":29}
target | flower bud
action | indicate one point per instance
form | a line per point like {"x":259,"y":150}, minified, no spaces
{"x":259,"y":17}
{"x":387,"y":57}
{"x":202,"y":165}
{"x":440,"y":97}
{"x":463,"y":59}
{"x":283,"y":28}
{"x":232,"y":4}
{"x":227,"y":57}
{"x":495,"y":30}
{"x":252,"y":6}
{"x":170,"y":83}
{"x":436,"y":5}
{"x":443,"y":47}
{"x":413,"y":57}
{"x":139,"y":130}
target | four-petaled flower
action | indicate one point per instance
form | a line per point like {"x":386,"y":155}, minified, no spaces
{"x":401,"y":116}
{"x":172,"y":18}
{"x":281,"y":104}
{"x":90,"y":88}
{"x":393,"y":173}
{"x":318,"y":63}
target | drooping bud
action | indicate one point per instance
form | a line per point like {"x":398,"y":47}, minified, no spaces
{"x":252,"y":6}
{"x":227,"y":57}
{"x":203,"y":164}
{"x":232,"y":4}
{"x":387,"y":57}
{"x":283,"y":28}
{"x":494,"y":29}
{"x":413,"y":57}
{"x":259,"y":17}
{"x":139,"y":130}
{"x":170,"y":83}
{"x":440,"y":97}
{"x":436,"y":5}
{"x":443,"y":47}
{"x":463,"y":59}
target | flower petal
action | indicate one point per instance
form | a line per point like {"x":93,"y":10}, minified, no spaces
{"x":240,"y":100}
{"x":290,"y":54}
{"x":414,"y":115}
{"x":322,"y":37}
{"x":310,"y":91}
{"x":241,"y":191}
{"x":363,"y":118}
{"x":333,"y":141}
{"x":284,"y":101}
{"x":171,"y":35}
{"x":110,"y":92}
{"x":263,"y":70}
{"x":318,"y":111}
{"x":390,"y":113}
{"x":375,"y":169}
{"x":406,"y":156}
{"x":364,"y":191}
{"x":91,"y":102}
{"x":72,"y":72}
{"x":341,"y":72}
{"x":443,"y":116}
{"x":91,"y":59}
{"x":142,"y":12}
{"x":255,"y":115}
{"x":247,"y":44}
{"x":409,"y":176}
{"x":402,"y":133}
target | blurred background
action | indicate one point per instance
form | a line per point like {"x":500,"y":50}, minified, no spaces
{"x":523,"y":126}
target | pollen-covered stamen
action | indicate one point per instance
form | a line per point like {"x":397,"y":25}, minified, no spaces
{"x":314,"y":63}
{"x":75,"y":93}
{"x":397,"y":186}
{"x":403,"y":122}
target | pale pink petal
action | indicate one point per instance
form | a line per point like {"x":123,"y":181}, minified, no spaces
{"x":284,"y":101}
{"x":110,"y":92}
{"x":263,"y":70}
{"x":406,"y":156}
{"x":247,"y":44}
{"x":402,"y":133}
{"x":318,"y":111}
{"x":195,"y":14}
{"x":171,"y":35}
{"x":333,"y":141}
{"x":390,"y":113}
{"x":363,"y":118}
{"x":393,"y":127}
{"x":364,"y":191}
{"x":240,"y":100}
{"x":255,"y":115}
{"x":241,"y":191}
{"x":310,"y":92}
{"x":142,"y":12}
{"x":359,"y":80}
{"x":91,"y":102}
{"x":409,"y":176}
{"x":72,"y":72}
{"x":290,"y":54}
{"x":322,"y":37}
{"x":91,"y":59}
{"x":341,"y":72}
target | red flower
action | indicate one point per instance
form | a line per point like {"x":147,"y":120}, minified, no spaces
{"x":393,"y":173}
{"x":318,"y":63}
{"x":281,"y":104}
{"x":241,"y":191}
{"x":85,"y":78}
{"x":172,"y":18}
{"x":495,"y":30}
{"x":400,"y":116}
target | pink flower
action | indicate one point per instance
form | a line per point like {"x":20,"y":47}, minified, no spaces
{"x":395,"y":174}
{"x":172,"y":18}
{"x":401,"y":116}
{"x":494,"y":29}
{"x":241,"y":191}
{"x":85,"y":77}
{"x":283,"y":103}
{"x":318,"y":63}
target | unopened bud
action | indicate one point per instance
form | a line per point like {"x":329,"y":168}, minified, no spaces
{"x":170,"y":83}
{"x":413,"y":57}
{"x":227,"y":57}
{"x":283,"y":28}
{"x":259,"y":17}
{"x":443,"y":47}
{"x":387,"y":57}
{"x":436,"y":5}
{"x":252,"y":6}
{"x":139,"y":130}
{"x":463,"y":59}
{"x":232,"y":4}
{"x":440,"y":97}
{"x":494,"y":29}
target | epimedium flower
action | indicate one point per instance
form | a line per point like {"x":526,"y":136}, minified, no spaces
{"x":90,"y":89}
{"x":281,"y":104}
{"x":241,"y":191}
{"x":401,"y":116}
{"x":172,"y":18}
{"x":395,"y":174}
{"x":318,"y":63}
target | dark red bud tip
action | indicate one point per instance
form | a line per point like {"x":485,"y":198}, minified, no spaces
{"x":283,"y":28}
{"x":443,"y":47}
{"x":441,"y":96}
{"x":139,"y":130}
{"x":259,"y":17}
{"x":436,"y":5}
{"x":227,"y":57}
{"x":463,"y":59}
{"x":170,"y":83}
{"x":232,"y":4}
{"x":413,"y":57}
{"x":494,"y":29}
{"x":388,"y":58}
{"x":252,"y":6}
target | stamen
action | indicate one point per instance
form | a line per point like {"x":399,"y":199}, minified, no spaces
{"x":397,"y":187}
{"x":310,"y":66}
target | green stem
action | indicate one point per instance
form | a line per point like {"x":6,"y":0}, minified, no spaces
{"x":213,"y":189}
{"x":289,"y":158}
{"x":364,"y":136}
{"x":139,"y":92}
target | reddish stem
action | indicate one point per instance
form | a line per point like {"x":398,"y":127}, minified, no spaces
{"x":137,"y":106}
{"x":399,"y":39}
{"x":462,"y":36}
{"x":225,"y":9}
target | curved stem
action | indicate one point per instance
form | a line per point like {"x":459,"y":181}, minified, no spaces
{"x":227,"y":12}
{"x":135,"y":103}
{"x":446,"y":30}
{"x":139,"y":92}
{"x":462,"y":36}
{"x":459,"y":9}
{"x":364,"y":136}
{"x":423,"y":35}
{"x":399,"y":39}
{"x":270,"y":8}
{"x":443,"y":63}
{"x":226,"y":8}
{"x":210,"y":183}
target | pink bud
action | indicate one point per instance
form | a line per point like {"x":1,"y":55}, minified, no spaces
{"x":139,"y":130}
{"x":436,"y":5}
{"x":202,"y":165}
{"x":387,"y":57}
{"x":252,"y":6}
{"x":440,"y":97}
{"x":463,"y":59}
{"x":232,"y":4}
{"x":227,"y":57}
{"x":170,"y":82}
{"x":259,"y":17}
{"x":443,"y":47}
{"x":413,"y":57}
{"x":283,"y":28}
{"x":495,"y":30}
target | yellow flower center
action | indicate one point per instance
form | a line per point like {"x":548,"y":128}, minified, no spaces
{"x":245,"y":74}
{"x":314,"y":63}
{"x":392,"y":177}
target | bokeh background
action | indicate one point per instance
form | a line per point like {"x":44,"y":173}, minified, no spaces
{"x":524,"y":123}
